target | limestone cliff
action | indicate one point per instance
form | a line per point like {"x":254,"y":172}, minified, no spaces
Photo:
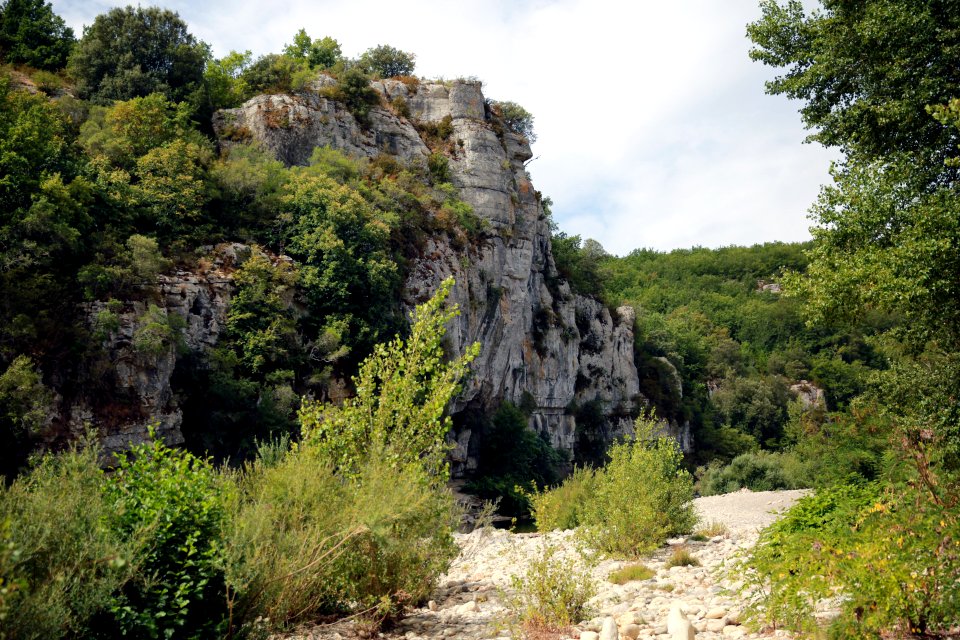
{"x":542,"y":345}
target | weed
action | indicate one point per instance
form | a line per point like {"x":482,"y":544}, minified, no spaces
{"x":681,"y":557}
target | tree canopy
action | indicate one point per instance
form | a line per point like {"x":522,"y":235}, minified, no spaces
{"x":866,"y":72}
{"x":134,"y":51}
{"x":31,"y":33}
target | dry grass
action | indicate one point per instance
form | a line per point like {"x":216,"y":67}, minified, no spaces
{"x":681,"y":557}
{"x":631,"y":572}
{"x":712,"y":529}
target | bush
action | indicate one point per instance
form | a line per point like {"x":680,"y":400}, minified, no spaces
{"x":512,"y":458}
{"x":305,"y":542}
{"x":553,"y":593}
{"x":60,"y":563}
{"x":174,"y":503}
{"x":562,"y":507}
{"x":640,"y":497}
{"x":681,"y":557}
{"x":630,"y":573}
{"x":355,"y":92}
{"x":357,"y":519}
{"x":517,"y":119}
{"x":888,"y":556}
{"x":757,"y":471}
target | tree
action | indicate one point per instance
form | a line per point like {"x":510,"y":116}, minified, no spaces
{"x":385,"y":61}
{"x":31,"y":33}
{"x":133,"y":52}
{"x":320,"y":54}
{"x":517,"y":119}
{"x":403,"y":390}
{"x":867,"y":70}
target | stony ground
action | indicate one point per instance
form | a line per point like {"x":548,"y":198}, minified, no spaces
{"x":470,"y":600}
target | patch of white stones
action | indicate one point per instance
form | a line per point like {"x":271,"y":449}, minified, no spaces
{"x":677,"y":603}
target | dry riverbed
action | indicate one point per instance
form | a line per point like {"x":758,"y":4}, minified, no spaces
{"x":469,"y":602}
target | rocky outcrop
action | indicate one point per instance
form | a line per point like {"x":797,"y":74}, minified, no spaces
{"x":542,"y":345}
{"x":141,"y":347}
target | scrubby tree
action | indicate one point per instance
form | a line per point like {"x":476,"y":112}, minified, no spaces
{"x":135,"y":51}
{"x":517,"y":119}
{"x":31,"y":33}
{"x":385,"y":61}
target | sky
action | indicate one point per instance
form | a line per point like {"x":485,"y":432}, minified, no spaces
{"x":653,"y":127}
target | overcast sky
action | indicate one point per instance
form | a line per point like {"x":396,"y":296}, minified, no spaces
{"x":654,"y":129}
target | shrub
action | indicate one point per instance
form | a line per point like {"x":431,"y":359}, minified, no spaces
{"x":517,"y":119}
{"x":562,"y":506}
{"x":712,"y":529}
{"x":355,"y":92}
{"x":357,"y":519}
{"x":402,"y":394}
{"x":24,"y":405}
{"x":757,"y":471}
{"x":439,"y":167}
{"x":60,"y":563}
{"x":554,"y":591}
{"x":889,"y":556}
{"x":630,"y":573}
{"x":305,"y":542}
{"x":512,"y":458}
{"x":640,"y":497}
{"x":173,"y":502}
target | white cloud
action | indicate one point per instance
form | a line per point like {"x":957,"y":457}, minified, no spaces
{"x":653,"y":127}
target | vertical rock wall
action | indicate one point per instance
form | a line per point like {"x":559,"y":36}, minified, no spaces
{"x":541,"y":344}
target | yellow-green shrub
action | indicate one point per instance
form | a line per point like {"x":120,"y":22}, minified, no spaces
{"x":641,"y":497}
{"x":561,"y":507}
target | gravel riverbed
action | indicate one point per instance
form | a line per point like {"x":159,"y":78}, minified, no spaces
{"x":469,"y":601}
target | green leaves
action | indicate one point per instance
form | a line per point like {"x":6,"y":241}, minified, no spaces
{"x":403,"y":390}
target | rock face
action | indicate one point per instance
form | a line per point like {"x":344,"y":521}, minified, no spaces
{"x":543,"y":346}
{"x":193,"y":306}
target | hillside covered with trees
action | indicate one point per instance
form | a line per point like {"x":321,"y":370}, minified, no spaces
{"x":312,"y":484}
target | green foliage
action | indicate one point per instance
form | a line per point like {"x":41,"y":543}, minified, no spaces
{"x":757,"y":471}
{"x":758,"y":406}
{"x":512,"y":458}
{"x":554,"y":591}
{"x":866,"y":73}
{"x":306,"y":542}
{"x":223,"y":80}
{"x":354,"y":91}
{"x":403,"y":389}
{"x":128,"y":130}
{"x":175,"y":503}
{"x":562,"y":507}
{"x":60,"y":562}
{"x":439,"y":167}
{"x":625,"y":517}
{"x":516,"y":118}
{"x":31,"y":33}
{"x":24,"y":405}
{"x":384,"y":61}
{"x":580,"y":265}
{"x":681,"y":557}
{"x":157,"y":332}
{"x":320,"y":54}
{"x":357,"y":518}
{"x":866,"y":544}
{"x":133,"y":52}
{"x":273,"y":73}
